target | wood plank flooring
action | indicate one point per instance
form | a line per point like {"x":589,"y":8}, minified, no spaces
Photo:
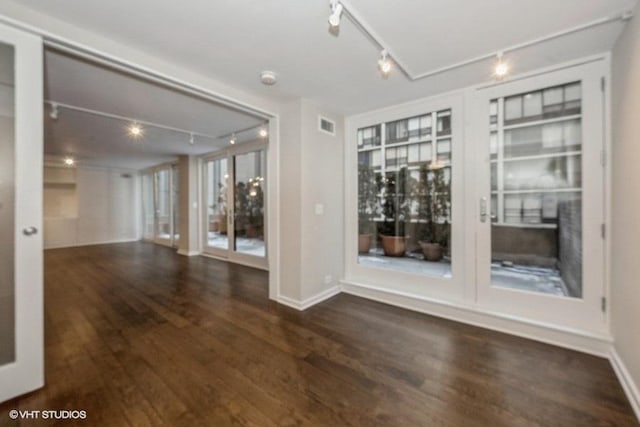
{"x":139,"y":336}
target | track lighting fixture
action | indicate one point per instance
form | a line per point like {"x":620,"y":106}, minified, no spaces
{"x":263,"y":133}
{"x":501,"y":69}
{"x":192,"y":139}
{"x":233,"y":139}
{"x":384,"y":64}
{"x":135,"y":130}
{"x":54,"y":111}
{"x":336,"y":13}
{"x":69,"y":161}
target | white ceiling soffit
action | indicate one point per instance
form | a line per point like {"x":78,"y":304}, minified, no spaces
{"x":101,"y":141}
{"x":470,"y":29}
{"x":234,"y":40}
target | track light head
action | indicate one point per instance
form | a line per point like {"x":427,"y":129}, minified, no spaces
{"x":501,"y":69}
{"x":336,"y":12}
{"x":232,"y":141}
{"x":192,"y":139}
{"x":54,"y":111}
{"x":384,"y":64}
{"x":263,"y":133}
{"x":69,"y":161}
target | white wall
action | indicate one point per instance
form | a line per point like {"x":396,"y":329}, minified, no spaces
{"x":625,"y":221}
{"x":311,"y":174}
{"x":107,"y":208}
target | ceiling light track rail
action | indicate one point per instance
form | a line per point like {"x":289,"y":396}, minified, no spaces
{"x":353,"y":15}
{"x":56,"y":106}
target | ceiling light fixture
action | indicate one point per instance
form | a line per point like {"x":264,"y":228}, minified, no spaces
{"x":69,"y":161}
{"x":135,"y":130}
{"x":54,"y":111}
{"x":233,"y":139}
{"x":192,"y":139}
{"x":501,"y":69}
{"x":268,"y":78}
{"x":336,"y":12}
{"x":384,"y":64}
{"x":263,"y":133}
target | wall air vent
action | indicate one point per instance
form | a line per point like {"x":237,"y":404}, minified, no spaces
{"x":327,"y":126}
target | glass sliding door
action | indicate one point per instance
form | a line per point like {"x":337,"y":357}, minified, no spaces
{"x":540,"y":251}
{"x":175,"y":203}
{"x":148,"y":207}
{"x":249,"y":178}
{"x":234,"y":194}
{"x":160,"y":205}
{"x":216,"y":175}
{"x":163,"y":223}
{"x":21,"y":214}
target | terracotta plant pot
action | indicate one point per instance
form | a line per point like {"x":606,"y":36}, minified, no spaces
{"x":432,"y":251}
{"x":394,"y":245}
{"x":364,"y":243}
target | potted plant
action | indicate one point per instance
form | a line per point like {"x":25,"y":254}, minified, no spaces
{"x":368,"y":206}
{"x":241,"y":208}
{"x":434,"y":206}
{"x":255,"y":209}
{"x":395,"y":209}
{"x":221,"y":208}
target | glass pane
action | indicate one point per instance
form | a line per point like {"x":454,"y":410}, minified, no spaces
{"x":163,"y":206}
{"x":404,"y":201}
{"x":148,"y":206}
{"x":249,"y":184}
{"x":217,"y":176}
{"x":175,"y":184}
{"x":7,"y":194}
{"x":369,"y":137}
{"x":536,"y":203}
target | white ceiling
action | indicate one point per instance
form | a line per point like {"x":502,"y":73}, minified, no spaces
{"x":234,"y":40}
{"x":99,"y":141}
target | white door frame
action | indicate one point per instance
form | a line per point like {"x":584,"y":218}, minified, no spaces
{"x":576,"y":313}
{"x":231,"y":254}
{"x":26,"y":373}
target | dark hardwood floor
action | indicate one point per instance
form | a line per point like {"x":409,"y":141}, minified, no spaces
{"x":139,"y":336}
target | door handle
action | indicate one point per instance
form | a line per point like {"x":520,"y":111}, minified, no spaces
{"x":483,"y":209}
{"x":29,"y":231}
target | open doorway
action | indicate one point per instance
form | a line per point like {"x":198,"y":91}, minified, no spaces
{"x":125,"y":160}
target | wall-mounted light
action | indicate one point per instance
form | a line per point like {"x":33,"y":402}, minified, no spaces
{"x":501,"y":68}
{"x":336,"y":13}
{"x":384,"y":64}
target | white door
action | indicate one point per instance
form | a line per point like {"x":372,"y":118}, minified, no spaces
{"x":234,"y":199}
{"x":540,"y":252}
{"x":21,"y":151}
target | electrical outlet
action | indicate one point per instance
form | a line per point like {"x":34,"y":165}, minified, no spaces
{"x":328,"y":279}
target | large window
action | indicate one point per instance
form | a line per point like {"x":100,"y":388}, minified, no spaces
{"x":536,"y":190}
{"x":404,"y":194}
{"x":160,"y":203}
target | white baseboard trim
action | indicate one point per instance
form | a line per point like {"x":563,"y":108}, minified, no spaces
{"x":311,"y":301}
{"x":586,"y":342}
{"x":628,"y":384}
{"x":77,"y":245}
{"x":188,"y":253}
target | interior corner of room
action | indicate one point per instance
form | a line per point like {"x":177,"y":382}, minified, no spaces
{"x":488,"y":180}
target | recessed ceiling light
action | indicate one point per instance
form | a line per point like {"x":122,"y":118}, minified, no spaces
{"x":268,"y":78}
{"x":135,"y":130}
{"x":263,"y":133}
{"x":69,"y":161}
